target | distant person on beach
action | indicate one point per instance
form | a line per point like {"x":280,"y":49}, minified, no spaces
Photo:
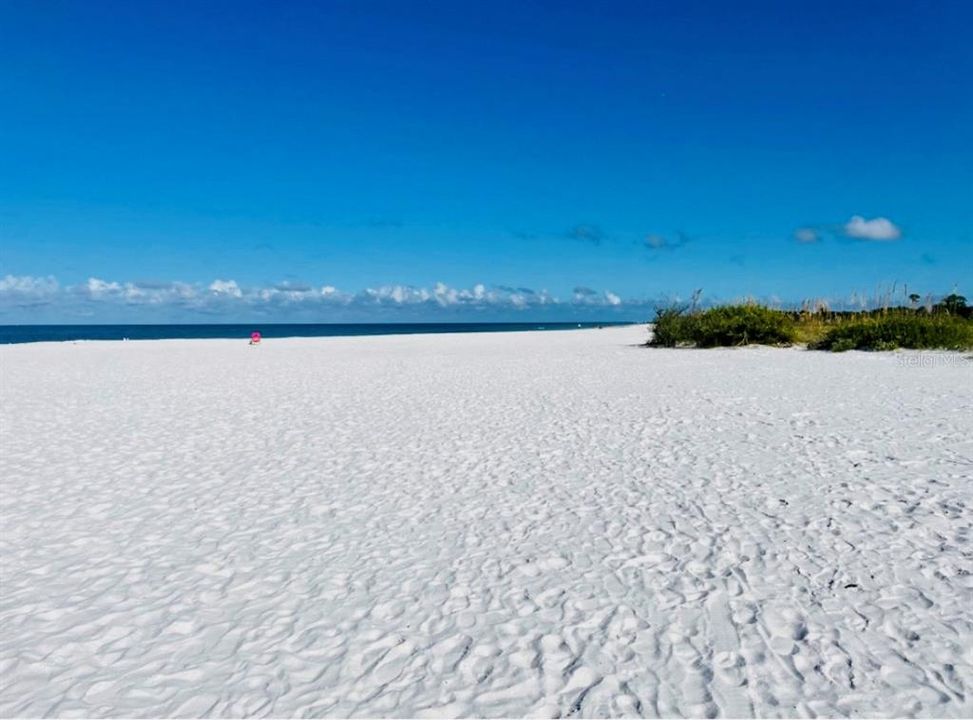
{"x":255,"y":338}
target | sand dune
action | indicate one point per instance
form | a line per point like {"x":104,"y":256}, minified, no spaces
{"x":540,"y":524}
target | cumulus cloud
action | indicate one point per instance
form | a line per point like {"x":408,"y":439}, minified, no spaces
{"x":877,"y":229}
{"x":225,"y":287}
{"x":394,"y":295}
{"x":27,"y":291}
{"x":293,"y":294}
{"x":28,"y":285}
{"x":587,"y":296}
{"x":135,"y":293}
{"x":96,"y":287}
{"x":444,"y":296}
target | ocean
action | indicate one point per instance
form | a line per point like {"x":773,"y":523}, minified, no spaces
{"x":61,"y":333}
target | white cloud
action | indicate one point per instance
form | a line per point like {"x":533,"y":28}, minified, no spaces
{"x":28,"y":285}
{"x":880,"y":229}
{"x":178,"y":293}
{"x":587,"y":296}
{"x":444,"y":296}
{"x":289,"y":294}
{"x":394,"y":295}
{"x":225,"y":287}
{"x":24,"y":291}
{"x":96,"y":287}
{"x":137,"y":293}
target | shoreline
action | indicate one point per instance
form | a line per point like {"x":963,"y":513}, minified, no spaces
{"x":269,"y":331}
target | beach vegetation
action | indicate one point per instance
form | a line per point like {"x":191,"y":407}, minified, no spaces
{"x":726,"y":325}
{"x":953,"y":304}
{"x":899,"y":328}
{"x":947,"y":324}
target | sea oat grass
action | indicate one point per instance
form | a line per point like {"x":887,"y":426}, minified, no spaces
{"x":887,"y":329}
{"x":893,"y":330}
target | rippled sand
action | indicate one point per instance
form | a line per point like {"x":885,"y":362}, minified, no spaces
{"x":483,"y":525}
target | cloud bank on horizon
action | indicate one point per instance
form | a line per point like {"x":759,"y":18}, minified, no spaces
{"x":25,"y":297}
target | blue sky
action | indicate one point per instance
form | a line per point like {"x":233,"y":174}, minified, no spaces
{"x":506,"y":160}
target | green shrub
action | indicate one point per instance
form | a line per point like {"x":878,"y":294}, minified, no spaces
{"x":728,"y":325}
{"x":842,"y":345}
{"x":672,"y":327}
{"x":884,"y":329}
{"x":897,"y":329}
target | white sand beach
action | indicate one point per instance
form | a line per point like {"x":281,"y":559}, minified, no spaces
{"x":503,"y":524}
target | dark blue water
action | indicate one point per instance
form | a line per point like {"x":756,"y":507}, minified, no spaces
{"x":46,"y":333}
